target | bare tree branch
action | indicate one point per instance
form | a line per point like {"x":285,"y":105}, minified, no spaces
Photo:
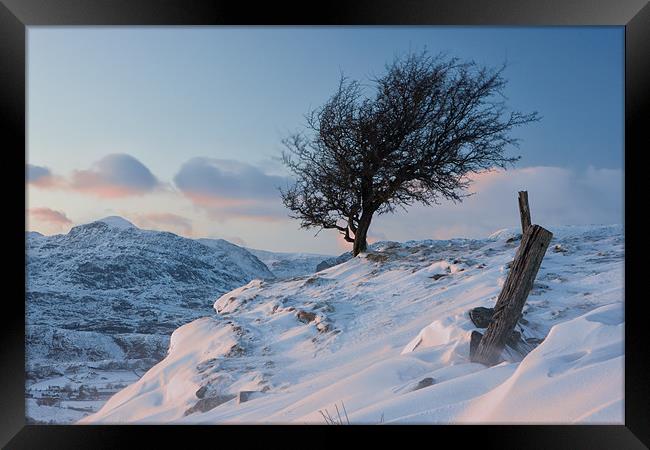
{"x":430,"y":123}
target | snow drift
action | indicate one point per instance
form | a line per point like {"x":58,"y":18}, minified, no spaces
{"x":386,"y":336}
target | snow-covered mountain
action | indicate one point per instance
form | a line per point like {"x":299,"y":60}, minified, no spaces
{"x":102,"y":301}
{"x":290,"y":265}
{"x":384,"y":337}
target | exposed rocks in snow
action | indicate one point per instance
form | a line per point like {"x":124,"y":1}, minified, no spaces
{"x":481,"y":316}
{"x":305,"y":316}
{"x":534,"y":341}
{"x":475,"y":338}
{"x":244,"y":396}
{"x":514,"y":339}
{"x":200,"y":393}
{"x":513,"y":239}
{"x":208,"y":403}
{"x":559,"y":249}
{"x":425,"y":382}
{"x":316,"y":281}
{"x":377,"y":257}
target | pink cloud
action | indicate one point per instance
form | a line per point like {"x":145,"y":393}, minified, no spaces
{"x":43,"y":178}
{"x":114,"y":176}
{"x":50,"y":215}
{"x":47,"y":220}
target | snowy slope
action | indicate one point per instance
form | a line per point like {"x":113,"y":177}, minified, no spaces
{"x":289,"y":265}
{"x":102,"y":302}
{"x":386,"y":335}
{"x":253,"y":266}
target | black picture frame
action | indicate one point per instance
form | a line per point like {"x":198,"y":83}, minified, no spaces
{"x":16,"y":15}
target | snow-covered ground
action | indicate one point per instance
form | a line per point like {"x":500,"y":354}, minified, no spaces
{"x":384,"y":337}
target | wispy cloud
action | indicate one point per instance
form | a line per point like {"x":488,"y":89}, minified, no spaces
{"x":228,"y":189}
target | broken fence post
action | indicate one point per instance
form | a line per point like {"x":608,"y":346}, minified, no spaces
{"x":524,"y":211}
{"x":513,"y":296}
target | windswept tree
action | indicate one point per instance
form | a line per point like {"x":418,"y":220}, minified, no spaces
{"x":429,"y":122}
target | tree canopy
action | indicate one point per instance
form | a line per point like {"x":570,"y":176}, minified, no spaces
{"x":426,"y":124}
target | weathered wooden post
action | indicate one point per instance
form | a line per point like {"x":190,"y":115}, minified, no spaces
{"x":513,"y":296}
{"x":534,"y":242}
{"x":524,"y":211}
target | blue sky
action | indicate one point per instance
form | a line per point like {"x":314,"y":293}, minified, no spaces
{"x":172,"y":100}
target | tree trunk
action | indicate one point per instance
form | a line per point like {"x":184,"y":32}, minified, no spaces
{"x":360,"y":237}
{"x":524,"y":211}
{"x":513,"y":296}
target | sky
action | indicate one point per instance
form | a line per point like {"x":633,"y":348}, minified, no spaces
{"x":180,"y":128}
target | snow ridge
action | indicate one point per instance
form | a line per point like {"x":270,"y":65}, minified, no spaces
{"x":387,"y":335}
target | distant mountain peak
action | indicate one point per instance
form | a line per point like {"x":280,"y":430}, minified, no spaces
{"x":117,"y":222}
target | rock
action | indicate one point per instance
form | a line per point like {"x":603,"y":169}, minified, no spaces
{"x":481,"y":316}
{"x":312,"y":281}
{"x":438,"y":276}
{"x":514,"y":339}
{"x":206,"y":404}
{"x":428,"y":381}
{"x":305,"y":316}
{"x":377,"y":257}
{"x":534,"y":340}
{"x":200,"y":393}
{"x":473,"y":342}
{"x":323,"y":327}
{"x":244,"y":396}
{"x":235,"y":350}
{"x":513,"y":239}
